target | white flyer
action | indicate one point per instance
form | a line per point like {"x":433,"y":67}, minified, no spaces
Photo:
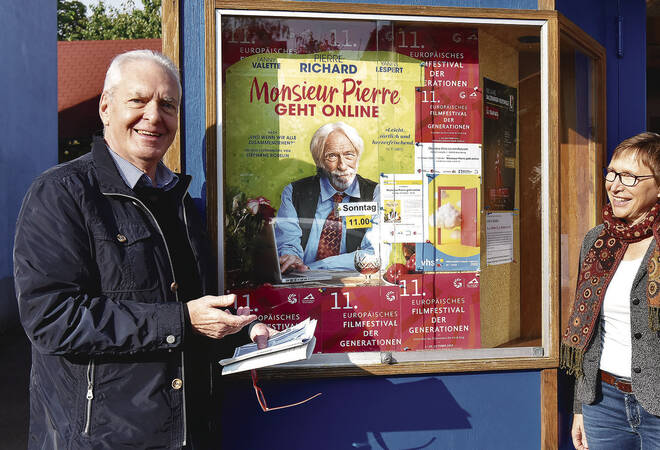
{"x":448,"y":158}
{"x":499,"y":238}
{"x":402,"y":207}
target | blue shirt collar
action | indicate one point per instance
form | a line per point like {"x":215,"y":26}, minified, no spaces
{"x":327,"y":190}
{"x":132,"y":176}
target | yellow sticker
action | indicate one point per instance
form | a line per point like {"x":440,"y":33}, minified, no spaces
{"x":358,"y":222}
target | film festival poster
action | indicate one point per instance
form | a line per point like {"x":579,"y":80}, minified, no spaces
{"x":281,"y":82}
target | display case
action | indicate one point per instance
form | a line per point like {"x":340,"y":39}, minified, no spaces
{"x":463,"y":142}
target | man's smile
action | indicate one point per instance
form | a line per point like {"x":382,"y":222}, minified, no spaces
{"x":148,"y":133}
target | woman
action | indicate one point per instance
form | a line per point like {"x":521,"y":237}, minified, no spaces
{"x":612,"y":344}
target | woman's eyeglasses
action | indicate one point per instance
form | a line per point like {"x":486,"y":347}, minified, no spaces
{"x":627,"y":179}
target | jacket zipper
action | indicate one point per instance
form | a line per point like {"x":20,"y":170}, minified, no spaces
{"x":137,"y":201}
{"x":192,"y":247}
{"x":196,"y":256}
{"x":89,"y":396}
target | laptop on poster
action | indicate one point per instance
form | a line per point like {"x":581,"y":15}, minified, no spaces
{"x":268,"y":263}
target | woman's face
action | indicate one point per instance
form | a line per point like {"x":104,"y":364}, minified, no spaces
{"x":631,"y":203}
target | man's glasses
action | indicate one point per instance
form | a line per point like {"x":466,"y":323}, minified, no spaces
{"x":262,"y":400}
{"x":627,"y":179}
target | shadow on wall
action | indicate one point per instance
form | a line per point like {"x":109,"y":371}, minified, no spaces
{"x":9,"y":321}
{"x":345,"y":417}
{"x":15,"y":373}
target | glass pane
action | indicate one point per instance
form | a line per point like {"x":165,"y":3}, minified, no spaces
{"x":431,"y":131}
{"x":580,"y":160}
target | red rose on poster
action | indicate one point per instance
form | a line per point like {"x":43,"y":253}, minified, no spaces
{"x":253,"y":204}
{"x":261,"y":206}
{"x":395,"y":272}
{"x":411,"y":263}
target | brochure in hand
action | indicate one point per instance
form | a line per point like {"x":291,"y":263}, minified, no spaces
{"x":293,"y":344}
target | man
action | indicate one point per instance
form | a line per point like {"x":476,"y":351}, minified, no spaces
{"x":310,"y":234}
{"x":112,"y":278}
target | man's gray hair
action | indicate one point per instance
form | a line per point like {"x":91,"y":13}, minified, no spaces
{"x":318,"y":140}
{"x":113,"y":75}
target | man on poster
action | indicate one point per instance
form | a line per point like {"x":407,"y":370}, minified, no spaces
{"x":310,"y":234}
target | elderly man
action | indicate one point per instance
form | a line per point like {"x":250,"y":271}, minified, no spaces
{"x":310,"y":234}
{"x":113,"y":282}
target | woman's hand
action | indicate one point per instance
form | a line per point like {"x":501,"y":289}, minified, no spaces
{"x":578,"y":434}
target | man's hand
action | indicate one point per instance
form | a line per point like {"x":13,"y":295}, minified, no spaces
{"x":208,"y":318}
{"x":578,"y":434}
{"x":260,"y":333}
{"x":292,"y":262}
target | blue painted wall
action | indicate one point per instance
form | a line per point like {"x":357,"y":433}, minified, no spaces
{"x":626,"y":99}
{"x":497,"y":410}
{"x":28,"y":121}
{"x":193,"y":115}
{"x":626,"y":75}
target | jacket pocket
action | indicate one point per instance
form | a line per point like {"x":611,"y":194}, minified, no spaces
{"x":125,"y":255}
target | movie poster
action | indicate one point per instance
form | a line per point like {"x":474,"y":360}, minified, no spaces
{"x":452,"y":224}
{"x":500,"y":137}
{"x":399,"y":180}
{"x":440,"y":311}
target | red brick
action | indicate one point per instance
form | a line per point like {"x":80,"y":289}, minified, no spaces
{"x":81,"y":67}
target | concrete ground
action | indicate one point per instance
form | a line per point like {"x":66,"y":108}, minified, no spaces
{"x":14,"y":378}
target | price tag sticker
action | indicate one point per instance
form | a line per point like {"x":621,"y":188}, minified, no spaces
{"x":358,"y":222}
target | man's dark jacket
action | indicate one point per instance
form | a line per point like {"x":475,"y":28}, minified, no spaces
{"x":98,"y":300}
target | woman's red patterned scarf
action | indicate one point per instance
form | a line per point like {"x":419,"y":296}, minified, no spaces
{"x":596,"y":271}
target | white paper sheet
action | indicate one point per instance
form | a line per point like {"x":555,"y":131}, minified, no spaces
{"x":499,"y":238}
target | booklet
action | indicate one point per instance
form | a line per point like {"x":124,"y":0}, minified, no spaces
{"x":293,"y":344}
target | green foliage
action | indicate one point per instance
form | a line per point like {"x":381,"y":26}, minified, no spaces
{"x":107,"y":22}
{"x":71,"y":20}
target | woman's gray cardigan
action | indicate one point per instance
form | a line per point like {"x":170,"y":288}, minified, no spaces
{"x":645,"y":345}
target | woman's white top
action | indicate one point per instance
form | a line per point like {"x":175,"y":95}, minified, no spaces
{"x":615,"y":320}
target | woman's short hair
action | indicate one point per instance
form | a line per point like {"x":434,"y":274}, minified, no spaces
{"x":646,"y":148}
{"x":113,"y":75}
{"x":317,"y":143}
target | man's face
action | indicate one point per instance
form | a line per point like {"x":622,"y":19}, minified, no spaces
{"x":140,"y":115}
{"x":340,"y":160}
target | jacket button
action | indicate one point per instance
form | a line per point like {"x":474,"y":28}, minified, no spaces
{"x":174,"y":286}
{"x":121,"y":238}
{"x":177,"y":383}
{"x":638,"y":335}
{"x":635,"y":301}
{"x":637,"y":370}
{"x":170,"y":339}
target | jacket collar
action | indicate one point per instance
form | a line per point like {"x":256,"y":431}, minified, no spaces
{"x":110,"y":181}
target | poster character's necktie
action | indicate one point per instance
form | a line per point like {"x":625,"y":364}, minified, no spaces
{"x":330,"y":240}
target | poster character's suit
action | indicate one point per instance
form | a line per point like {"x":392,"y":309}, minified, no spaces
{"x":309,"y":232}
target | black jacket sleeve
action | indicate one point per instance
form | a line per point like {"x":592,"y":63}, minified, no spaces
{"x":58,"y":289}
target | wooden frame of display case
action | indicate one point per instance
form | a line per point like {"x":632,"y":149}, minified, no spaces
{"x":554,"y":25}
{"x":559,"y":212}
